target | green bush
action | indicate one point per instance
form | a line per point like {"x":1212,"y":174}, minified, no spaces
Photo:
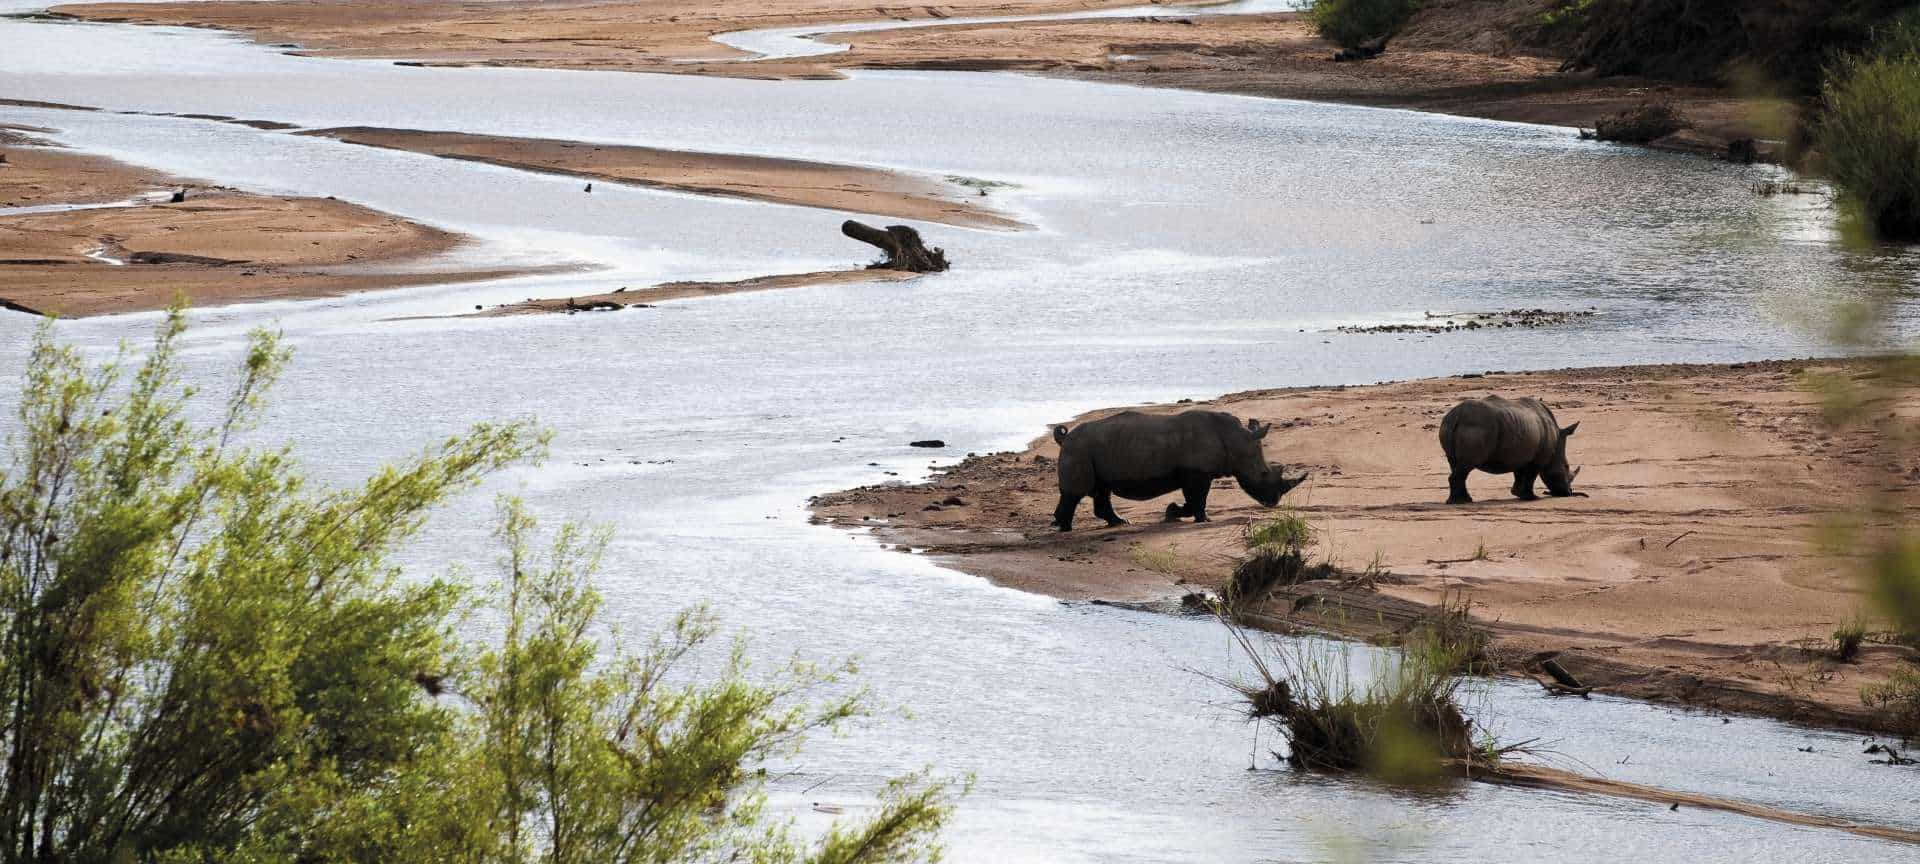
{"x":203,"y":659}
{"x":1869,"y":132}
{"x":1353,"y":22}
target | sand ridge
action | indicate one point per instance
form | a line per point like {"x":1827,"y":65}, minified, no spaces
{"x":218,"y":246}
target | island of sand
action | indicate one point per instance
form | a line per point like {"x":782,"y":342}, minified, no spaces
{"x":1693,"y":574}
{"x":91,"y":236}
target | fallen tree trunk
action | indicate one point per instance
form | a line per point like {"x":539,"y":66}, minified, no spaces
{"x":904,"y":248}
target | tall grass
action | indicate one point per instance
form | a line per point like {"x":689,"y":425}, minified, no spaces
{"x":1353,"y":22}
{"x":1869,"y":132}
{"x":1398,"y":720}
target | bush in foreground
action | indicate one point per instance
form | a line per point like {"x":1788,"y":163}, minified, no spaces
{"x":1353,"y":22}
{"x":204,"y":660}
{"x":1869,"y":132}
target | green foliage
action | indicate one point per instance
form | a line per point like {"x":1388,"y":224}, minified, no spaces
{"x":1353,"y":22}
{"x":205,"y":660}
{"x":1869,"y":132}
{"x":1286,"y":531}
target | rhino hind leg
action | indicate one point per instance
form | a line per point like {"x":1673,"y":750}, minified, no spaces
{"x":1103,"y":508}
{"x":1457,"y":486}
{"x":1523,"y":484}
{"x":1063,"y":514}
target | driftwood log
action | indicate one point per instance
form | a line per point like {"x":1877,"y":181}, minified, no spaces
{"x":904,"y":248}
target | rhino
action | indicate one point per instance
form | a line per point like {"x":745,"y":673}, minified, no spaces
{"x":1141,"y":456}
{"x":1506,"y":436}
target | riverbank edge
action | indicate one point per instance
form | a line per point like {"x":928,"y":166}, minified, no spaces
{"x":1345,"y":610}
{"x":1726,"y":122}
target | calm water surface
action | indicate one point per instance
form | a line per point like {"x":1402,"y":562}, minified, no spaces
{"x":1187,"y":245}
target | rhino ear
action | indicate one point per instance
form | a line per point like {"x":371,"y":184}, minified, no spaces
{"x":1259,"y":430}
{"x":1568,"y":432}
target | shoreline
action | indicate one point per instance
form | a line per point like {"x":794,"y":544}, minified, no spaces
{"x":1691,"y":576}
{"x":801,"y":183}
{"x":1448,"y":62}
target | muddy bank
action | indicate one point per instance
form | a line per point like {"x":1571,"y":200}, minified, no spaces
{"x":218,"y":246}
{"x":619,"y":299}
{"x":1690,"y":576}
{"x":852,"y":188}
{"x":1455,"y":58}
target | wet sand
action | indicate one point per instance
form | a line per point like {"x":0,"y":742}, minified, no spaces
{"x":1692,"y":574}
{"x":219,"y":246}
{"x":614,"y":301}
{"x":852,"y":188}
{"x":1455,"y":57}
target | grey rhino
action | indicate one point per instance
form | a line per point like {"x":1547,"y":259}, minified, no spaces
{"x":1140,"y":456}
{"x":1506,"y":436}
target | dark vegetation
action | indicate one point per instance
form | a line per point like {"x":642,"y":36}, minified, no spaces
{"x":1868,"y":131}
{"x":1787,"y":42}
{"x":1356,"y":23}
{"x":1648,"y":122}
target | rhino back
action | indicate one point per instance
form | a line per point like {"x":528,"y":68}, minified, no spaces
{"x":1504,"y":434}
{"x":1136,"y":454}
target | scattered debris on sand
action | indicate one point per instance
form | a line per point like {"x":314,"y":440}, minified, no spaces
{"x":1453,"y":322}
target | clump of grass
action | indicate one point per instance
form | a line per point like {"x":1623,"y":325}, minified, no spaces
{"x":1847,"y":639}
{"x":1446,"y":637}
{"x":1900,"y":695}
{"x":1287,"y":530}
{"x":1402,"y":723}
{"x":1480,"y":551}
{"x":1276,"y":556}
{"x":1870,"y":132}
{"x":1648,"y":122}
{"x":1353,"y":22}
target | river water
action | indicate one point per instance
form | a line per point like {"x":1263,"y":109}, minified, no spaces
{"x":1187,"y":245}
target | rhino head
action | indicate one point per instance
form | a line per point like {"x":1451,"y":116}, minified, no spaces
{"x":1261,"y":480}
{"x":1558,"y":478}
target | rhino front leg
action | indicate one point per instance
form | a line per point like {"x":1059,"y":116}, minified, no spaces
{"x":1103,"y":507}
{"x":1457,"y":486}
{"x":1063,"y":514}
{"x":1523,"y":484}
{"x":1196,"y":489}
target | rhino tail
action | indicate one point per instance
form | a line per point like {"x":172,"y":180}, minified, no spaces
{"x":1060,"y":434}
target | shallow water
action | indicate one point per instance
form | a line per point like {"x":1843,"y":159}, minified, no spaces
{"x":1189,"y":244}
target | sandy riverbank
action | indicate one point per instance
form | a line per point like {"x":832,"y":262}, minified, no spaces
{"x":852,"y":188}
{"x":219,"y":246}
{"x":1691,"y":575}
{"x":1454,"y":58}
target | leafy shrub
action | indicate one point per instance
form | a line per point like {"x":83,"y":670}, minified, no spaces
{"x":1869,"y":132}
{"x":1353,"y":22}
{"x":206,"y":660}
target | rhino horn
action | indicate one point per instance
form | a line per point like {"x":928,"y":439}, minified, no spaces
{"x":1576,"y":473}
